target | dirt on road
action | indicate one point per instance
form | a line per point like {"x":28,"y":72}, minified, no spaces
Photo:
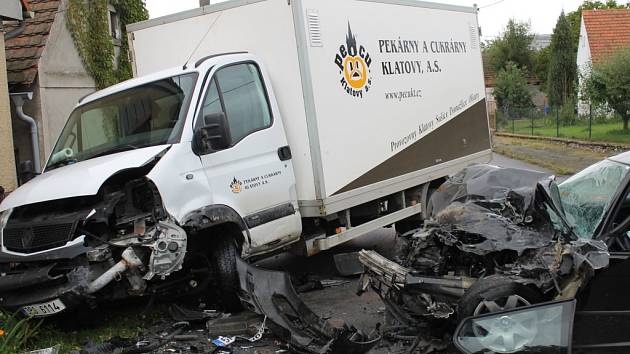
{"x":561,"y":158}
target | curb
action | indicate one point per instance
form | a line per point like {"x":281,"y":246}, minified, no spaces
{"x":609,"y":146}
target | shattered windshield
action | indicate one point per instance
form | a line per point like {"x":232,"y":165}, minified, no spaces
{"x":147,"y":115}
{"x":587,"y":195}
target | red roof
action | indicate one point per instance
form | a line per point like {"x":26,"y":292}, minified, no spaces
{"x":23,"y":52}
{"x":607,"y":30}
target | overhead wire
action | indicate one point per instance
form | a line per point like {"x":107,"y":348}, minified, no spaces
{"x":492,"y":4}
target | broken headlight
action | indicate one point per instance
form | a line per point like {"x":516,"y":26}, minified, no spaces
{"x":4,"y":218}
{"x":542,"y":328}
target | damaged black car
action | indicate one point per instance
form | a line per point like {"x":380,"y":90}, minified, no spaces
{"x":502,"y":240}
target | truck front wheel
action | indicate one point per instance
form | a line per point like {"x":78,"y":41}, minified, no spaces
{"x":223,"y":259}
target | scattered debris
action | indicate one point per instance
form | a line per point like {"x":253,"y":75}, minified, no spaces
{"x":313,"y":283}
{"x":51,"y":350}
{"x":179,"y":313}
{"x":244,"y":323}
{"x":223,"y":341}
{"x":271,"y":293}
{"x":348,"y":264}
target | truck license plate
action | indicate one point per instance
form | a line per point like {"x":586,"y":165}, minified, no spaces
{"x":45,"y":309}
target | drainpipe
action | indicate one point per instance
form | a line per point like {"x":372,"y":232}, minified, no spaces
{"x":18,"y":101}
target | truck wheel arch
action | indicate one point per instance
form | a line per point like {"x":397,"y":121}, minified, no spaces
{"x":213,"y":216}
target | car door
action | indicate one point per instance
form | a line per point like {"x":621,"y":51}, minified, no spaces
{"x":254,"y":174}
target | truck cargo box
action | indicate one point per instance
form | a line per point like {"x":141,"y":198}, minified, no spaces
{"x":376,"y":95}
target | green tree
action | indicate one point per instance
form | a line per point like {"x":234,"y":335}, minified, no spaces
{"x":609,"y":83}
{"x":541,"y":66}
{"x":562,"y":66}
{"x":511,"y":92}
{"x":513,"y":45}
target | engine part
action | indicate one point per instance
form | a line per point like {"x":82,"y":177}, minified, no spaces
{"x":168,"y":250}
{"x":99,"y":254}
{"x":129,"y":260}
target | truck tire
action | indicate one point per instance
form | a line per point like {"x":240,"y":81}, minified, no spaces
{"x":223,"y":258}
{"x":496,"y":293}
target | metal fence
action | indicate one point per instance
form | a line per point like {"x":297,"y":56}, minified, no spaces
{"x":557,"y":122}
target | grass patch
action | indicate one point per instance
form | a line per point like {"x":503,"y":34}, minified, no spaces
{"x":610,"y":132}
{"x":16,"y":332}
{"x":71,"y":332}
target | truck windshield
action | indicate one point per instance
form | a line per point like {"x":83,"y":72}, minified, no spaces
{"x":147,"y":115}
{"x":587,"y":195}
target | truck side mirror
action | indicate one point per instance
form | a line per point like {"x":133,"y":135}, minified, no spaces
{"x":213,"y":135}
{"x":27,"y":172}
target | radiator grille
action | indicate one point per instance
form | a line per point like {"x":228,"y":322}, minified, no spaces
{"x":37,"y":237}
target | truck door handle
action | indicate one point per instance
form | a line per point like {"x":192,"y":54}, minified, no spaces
{"x":284,"y":153}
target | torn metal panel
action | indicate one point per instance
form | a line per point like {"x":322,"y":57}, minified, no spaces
{"x":271,"y":293}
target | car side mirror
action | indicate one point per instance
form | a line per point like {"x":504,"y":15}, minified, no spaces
{"x":213,"y":135}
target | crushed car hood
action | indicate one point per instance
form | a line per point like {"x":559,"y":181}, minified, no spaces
{"x":79,"y":179}
{"x":485,"y":208}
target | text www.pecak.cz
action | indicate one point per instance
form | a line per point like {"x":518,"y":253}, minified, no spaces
{"x":400,"y":95}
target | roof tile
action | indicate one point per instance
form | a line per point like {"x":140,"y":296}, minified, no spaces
{"x":608,"y":30}
{"x":23,"y":51}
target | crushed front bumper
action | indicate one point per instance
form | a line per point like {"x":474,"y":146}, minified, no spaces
{"x":37,"y":283}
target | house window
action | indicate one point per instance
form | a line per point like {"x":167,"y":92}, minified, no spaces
{"x":114,"y":23}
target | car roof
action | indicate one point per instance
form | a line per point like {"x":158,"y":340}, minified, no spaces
{"x":623,"y":158}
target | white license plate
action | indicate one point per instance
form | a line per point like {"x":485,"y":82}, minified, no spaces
{"x":45,"y":309}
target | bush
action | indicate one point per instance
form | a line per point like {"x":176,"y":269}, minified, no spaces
{"x":568,"y":114}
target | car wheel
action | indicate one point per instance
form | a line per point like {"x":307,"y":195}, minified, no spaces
{"x":223,"y":254}
{"x":495,"y":294}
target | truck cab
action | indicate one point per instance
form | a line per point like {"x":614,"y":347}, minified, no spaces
{"x":146,"y":174}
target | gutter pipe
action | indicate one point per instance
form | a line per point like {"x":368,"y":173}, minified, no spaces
{"x":18,"y":100}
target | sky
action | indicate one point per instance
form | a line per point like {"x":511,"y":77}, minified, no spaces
{"x":493,"y":14}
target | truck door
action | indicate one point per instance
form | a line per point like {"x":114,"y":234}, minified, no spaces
{"x":253,"y":172}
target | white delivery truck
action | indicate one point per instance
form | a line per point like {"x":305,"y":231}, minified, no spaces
{"x":252,"y":125}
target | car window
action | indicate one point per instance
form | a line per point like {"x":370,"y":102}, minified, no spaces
{"x":587,"y":195}
{"x":147,"y":115}
{"x":244,"y":100}
{"x":99,"y":126}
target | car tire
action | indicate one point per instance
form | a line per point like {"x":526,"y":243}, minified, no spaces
{"x":223,"y":257}
{"x":494,"y":293}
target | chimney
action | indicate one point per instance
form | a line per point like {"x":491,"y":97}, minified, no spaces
{"x":203,"y":3}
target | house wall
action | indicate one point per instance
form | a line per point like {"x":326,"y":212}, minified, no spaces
{"x":63,"y":81}
{"x":7,"y":161}
{"x":584,"y":62}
